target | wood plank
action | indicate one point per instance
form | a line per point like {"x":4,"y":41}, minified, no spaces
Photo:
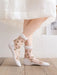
{"x":34,"y":70}
{"x":1,"y":61}
{"x":54,"y":61}
{"x":11,"y":70}
{"x":10,"y":62}
{"x":50,"y":70}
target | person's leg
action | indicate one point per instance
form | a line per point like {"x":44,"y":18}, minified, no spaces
{"x":15,"y":45}
{"x":26,"y":22}
{"x":32,"y":26}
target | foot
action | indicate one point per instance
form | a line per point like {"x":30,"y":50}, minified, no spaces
{"x":15,"y":46}
{"x":29,"y":59}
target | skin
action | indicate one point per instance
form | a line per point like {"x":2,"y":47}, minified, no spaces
{"x":30,"y":26}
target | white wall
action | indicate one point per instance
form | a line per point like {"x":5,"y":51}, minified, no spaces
{"x":43,"y":46}
{"x":56,"y":2}
{"x":6,"y":31}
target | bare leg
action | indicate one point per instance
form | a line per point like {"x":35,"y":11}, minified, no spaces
{"x":26,"y":22}
{"x":33,"y":25}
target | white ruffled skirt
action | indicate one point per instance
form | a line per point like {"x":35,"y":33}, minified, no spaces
{"x":27,"y":9}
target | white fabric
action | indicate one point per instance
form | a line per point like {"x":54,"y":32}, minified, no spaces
{"x":23,"y":36}
{"x":28,"y":47}
{"x":27,"y":9}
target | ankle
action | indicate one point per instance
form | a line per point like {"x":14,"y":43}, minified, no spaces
{"x":28,"y":43}
{"x":28,"y":51}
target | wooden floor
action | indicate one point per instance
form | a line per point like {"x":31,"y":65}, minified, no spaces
{"x":8,"y":67}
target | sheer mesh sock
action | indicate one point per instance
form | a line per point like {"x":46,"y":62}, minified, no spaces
{"x":29,"y":59}
{"x":15,"y":46}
